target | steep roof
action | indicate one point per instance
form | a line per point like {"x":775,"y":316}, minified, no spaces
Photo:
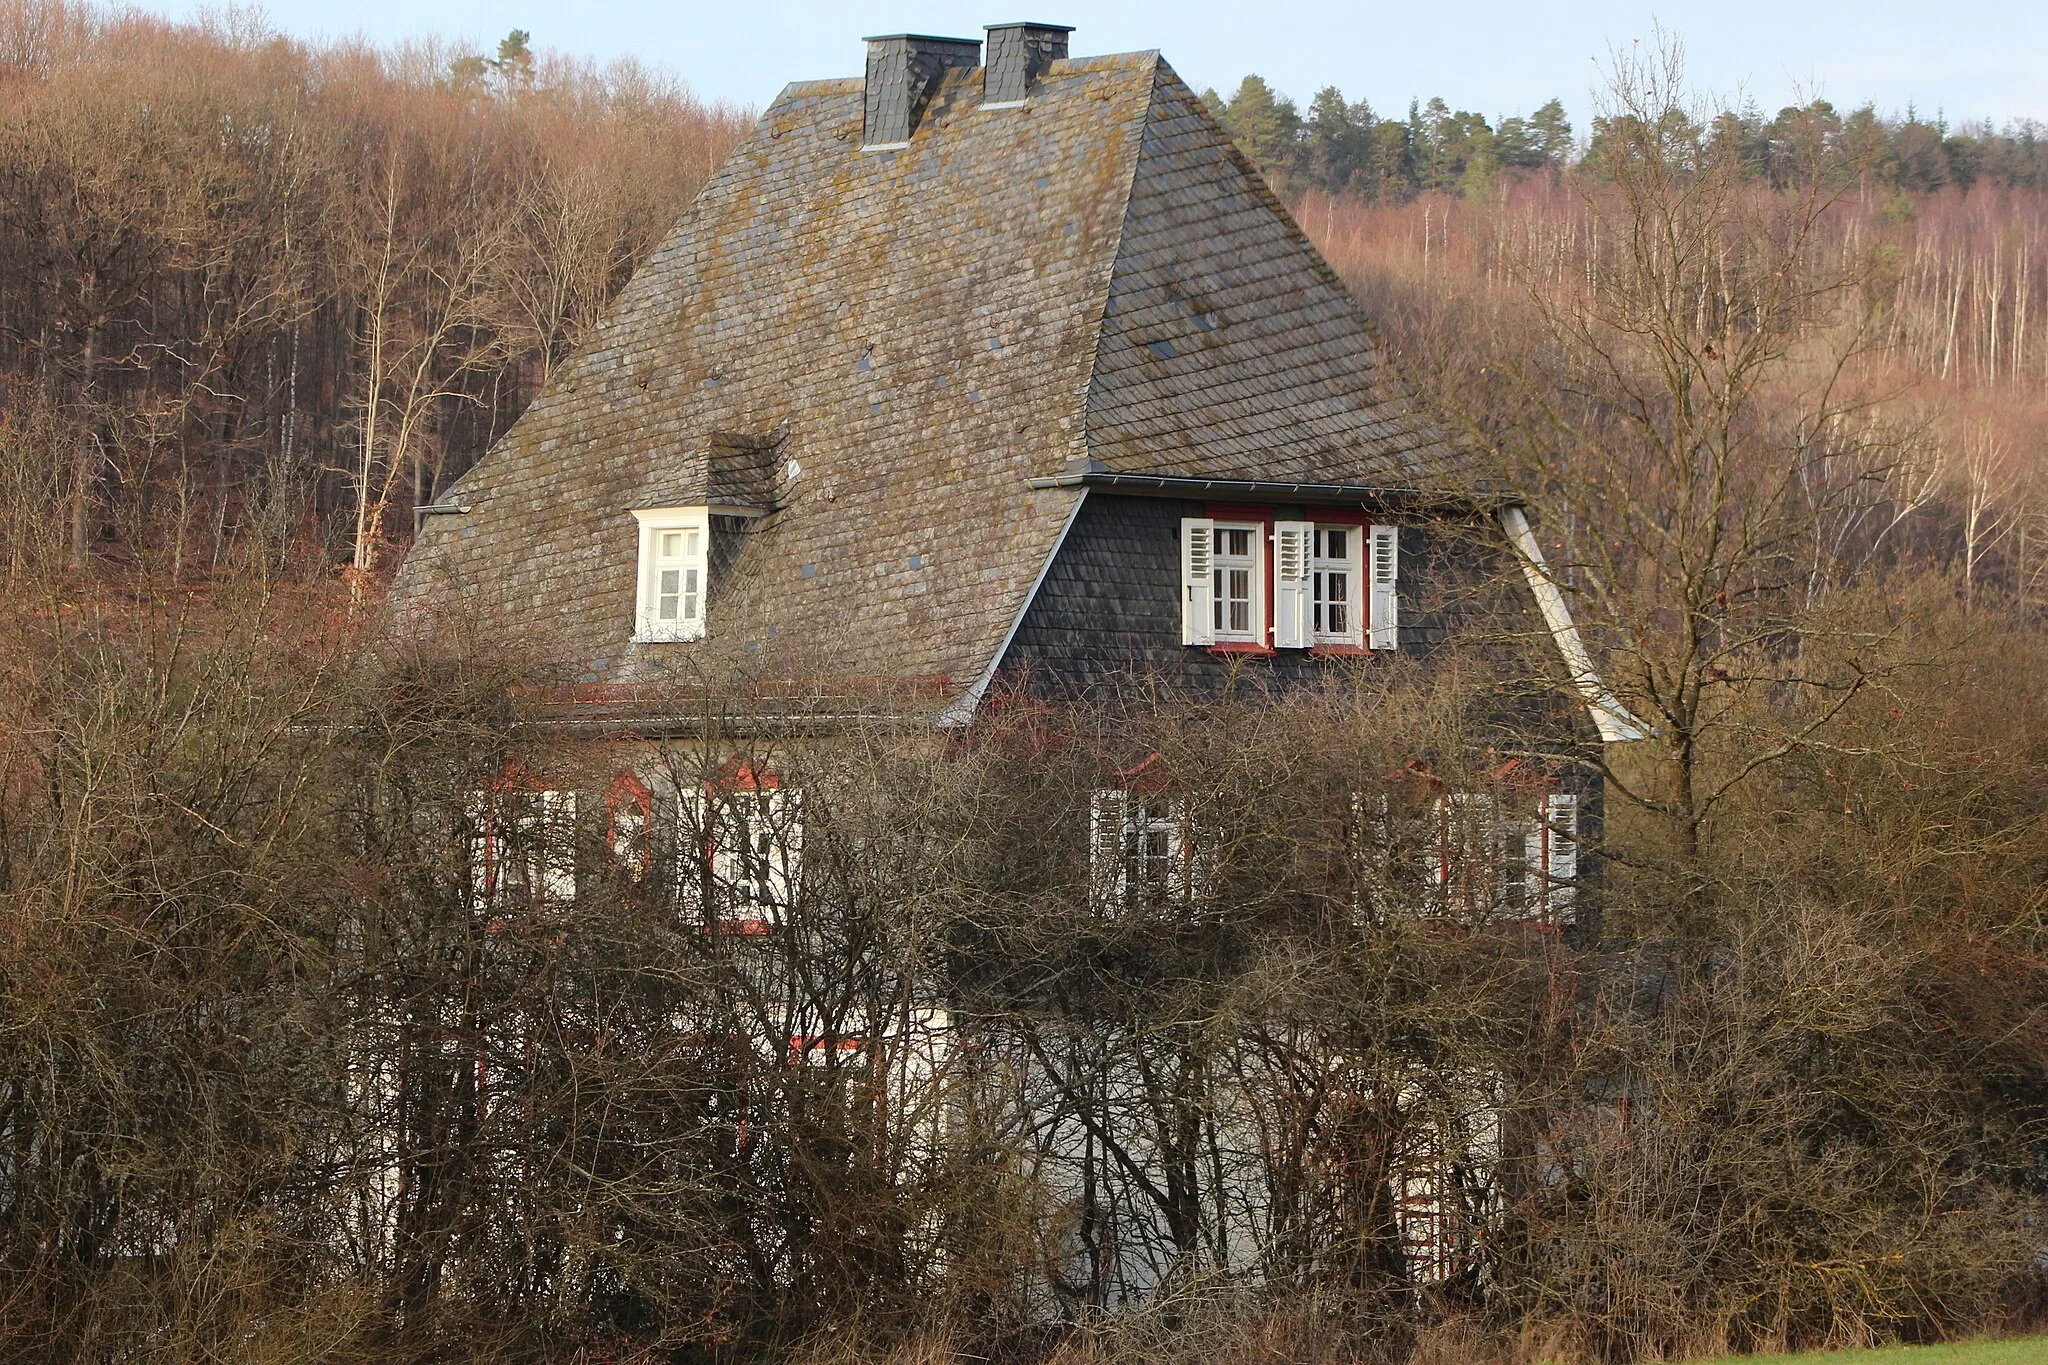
{"x":884,"y":349}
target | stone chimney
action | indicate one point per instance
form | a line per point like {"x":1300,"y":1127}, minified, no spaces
{"x":1018,"y":55}
{"x":904,"y":69}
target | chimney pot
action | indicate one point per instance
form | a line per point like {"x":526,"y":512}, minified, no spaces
{"x":904,"y":71}
{"x":1018,"y":55}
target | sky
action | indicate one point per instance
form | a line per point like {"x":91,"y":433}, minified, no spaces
{"x":1978,"y":59}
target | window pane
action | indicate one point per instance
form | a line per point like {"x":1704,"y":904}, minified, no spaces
{"x":1333,"y":544}
{"x":671,"y":544}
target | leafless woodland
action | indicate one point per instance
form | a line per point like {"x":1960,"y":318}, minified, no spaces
{"x":278,"y":1081}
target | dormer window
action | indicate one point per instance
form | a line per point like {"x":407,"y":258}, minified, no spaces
{"x":675,"y":564}
{"x":1237,"y":605}
{"x":1280,"y":584}
{"x":1336,"y":617}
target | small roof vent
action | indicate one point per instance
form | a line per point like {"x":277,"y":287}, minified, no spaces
{"x":1018,"y":55}
{"x":904,"y":71}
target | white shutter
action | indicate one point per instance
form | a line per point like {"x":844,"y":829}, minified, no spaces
{"x":556,"y":856}
{"x":1197,"y":584}
{"x":486,"y":848}
{"x":1384,"y":611}
{"x":1293,"y":547}
{"x":693,"y":842}
{"x":785,"y":869}
{"x":1561,"y":863}
{"x":1108,"y":866}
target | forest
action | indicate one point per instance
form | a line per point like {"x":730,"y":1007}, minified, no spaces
{"x":273,"y":1085}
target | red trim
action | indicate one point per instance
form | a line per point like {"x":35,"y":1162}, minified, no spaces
{"x":1148,"y":774}
{"x":1265,"y":515}
{"x":515,"y":777}
{"x":740,"y":775}
{"x":1239,"y":511}
{"x":745,"y":928}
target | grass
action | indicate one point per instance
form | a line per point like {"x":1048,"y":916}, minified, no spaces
{"x":2027,"y":1351}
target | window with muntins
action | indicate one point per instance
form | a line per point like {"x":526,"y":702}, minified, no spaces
{"x":743,"y":854}
{"x":1290,"y":584}
{"x":1144,"y":853}
{"x":1512,"y":856}
{"x":522,"y":847}
{"x":1335,"y":615}
{"x":1236,"y":594}
{"x":675,"y":558}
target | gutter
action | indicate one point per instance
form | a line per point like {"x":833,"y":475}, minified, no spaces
{"x":435,"y":509}
{"x":1170,"y":485}
{"x":1610,"y":717}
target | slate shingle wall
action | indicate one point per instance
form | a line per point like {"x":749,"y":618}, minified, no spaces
{"x":1109,"y":607}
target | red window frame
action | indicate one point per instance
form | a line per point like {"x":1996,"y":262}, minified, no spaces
{"x":1264,"y":515}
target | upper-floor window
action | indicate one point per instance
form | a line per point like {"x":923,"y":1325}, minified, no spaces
{"x":675,"y":562}
{"x":1237,"y":607}
{"x":740,"y":843}
{"x":1144,"y":854}
{"x":1290,"y":584}
{"x":522,"y":845}
{"x":1335,"y":617}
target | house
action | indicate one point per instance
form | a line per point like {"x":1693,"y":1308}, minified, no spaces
{"x":969,"y":374}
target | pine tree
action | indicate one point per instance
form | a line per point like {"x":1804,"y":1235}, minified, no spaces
{"x":1267,"y":128}
{"x":1339,"y":142}
{"x":1553,"y":133}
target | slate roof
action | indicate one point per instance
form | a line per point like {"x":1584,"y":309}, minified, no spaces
{"x":883,"y":349}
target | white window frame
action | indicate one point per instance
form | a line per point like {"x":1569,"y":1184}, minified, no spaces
{"x":688,"y":624}
{"x":750,"y":842}
{"x":522,"y":843}
{"x":1351,"y":564}
{"x":1144,"y":852}
{"x":1254,"y":632}
{"x":1496,"y":858}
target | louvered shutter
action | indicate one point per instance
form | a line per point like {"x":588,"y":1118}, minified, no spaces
{"x":693,"y":840}
{"x":1384,"y":606}
{"x":1197,"y":581}
{"x":787,"y":851}
{"x":1293,"y":547}
{"x":555,"y":858}
{"x":1108,"y":866}
{"x":1561,"y":863}
{"x":486,"y":848}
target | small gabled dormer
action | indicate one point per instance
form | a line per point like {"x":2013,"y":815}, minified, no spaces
{"x":733,"y":481}
{"x":683,"y":550}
